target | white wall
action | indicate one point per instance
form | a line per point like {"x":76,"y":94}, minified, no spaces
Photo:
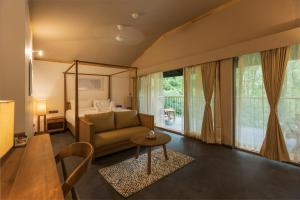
{"x":120,"y":90}
{"x":90,"y":94}
{"x":249,"y":25}
{"x":29,"y":111}
{"x":15,"y":37}
{"x":48,"y":82}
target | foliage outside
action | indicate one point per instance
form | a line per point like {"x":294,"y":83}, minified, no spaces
{"x":173,"y":93}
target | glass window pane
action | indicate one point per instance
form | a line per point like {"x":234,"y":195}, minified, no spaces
{"x":252,"y":108}
{"x":289,"y":105}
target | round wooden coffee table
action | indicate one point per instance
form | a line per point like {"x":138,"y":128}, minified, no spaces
{"x":141,"y":140}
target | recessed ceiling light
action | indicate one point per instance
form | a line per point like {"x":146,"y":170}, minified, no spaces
{"x":119,"y":38}
{"x":135,"y":15}
{"x":120,"y":27}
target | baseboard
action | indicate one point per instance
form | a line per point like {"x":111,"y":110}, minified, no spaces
{"x":170,"y":130}
{"x":227,"y":146}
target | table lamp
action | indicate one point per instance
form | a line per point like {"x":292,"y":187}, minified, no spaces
{"x":6,"y":126}
{"x":41,"y":110}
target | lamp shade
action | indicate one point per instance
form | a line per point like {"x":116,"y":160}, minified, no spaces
{"x":7,"y":109}
{"x":41,"y":107}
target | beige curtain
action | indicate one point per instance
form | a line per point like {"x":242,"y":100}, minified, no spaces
{"x":144,"y":94}
{"x":193,"y":102}
{"x":134,"y":93}
{"x":208,"y":80}
{"x":273,"y":66}
{"x":151,"y":99}
{"x":217,"y":108}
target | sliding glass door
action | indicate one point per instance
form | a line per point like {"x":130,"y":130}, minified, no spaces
{"x":150,"y":93}
{"x":289,"y":105}
{"x":252,"y":108}
{"x":161,"y":94}
{"x":173,"y":100}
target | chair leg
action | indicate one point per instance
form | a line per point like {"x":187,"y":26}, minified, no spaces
{"x":63,"y":166}
{"x":93,"y":159}
{"x":137,"y":151}
{"x":75,"y":195}
{"x":165,"y":152}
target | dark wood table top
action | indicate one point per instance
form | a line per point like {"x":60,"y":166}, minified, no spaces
{"x":160,"y":139}
{"x":37,"y":176}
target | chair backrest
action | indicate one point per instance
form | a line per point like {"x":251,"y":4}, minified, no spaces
{"x":80,"y":149}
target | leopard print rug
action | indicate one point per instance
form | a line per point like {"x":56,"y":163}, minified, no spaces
{"x":130,"y":176}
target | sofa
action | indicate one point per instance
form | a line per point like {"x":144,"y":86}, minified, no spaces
{"x":111,"y":132}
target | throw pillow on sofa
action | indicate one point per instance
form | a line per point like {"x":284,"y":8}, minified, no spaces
{"x":102,"y":121}
{"x":126,"y":119}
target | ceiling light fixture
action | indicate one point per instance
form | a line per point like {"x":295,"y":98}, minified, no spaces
{"x":135,"y":15}
{"x":119,"y":38}
{"x":120,"y":27}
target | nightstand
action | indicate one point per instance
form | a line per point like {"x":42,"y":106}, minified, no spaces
{"x":55,"y":124}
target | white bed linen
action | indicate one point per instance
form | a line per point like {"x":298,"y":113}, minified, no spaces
{"x":70,"y":114}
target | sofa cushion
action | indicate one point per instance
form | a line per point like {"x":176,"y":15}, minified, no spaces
{"x":126,"y":119}
{"x":120,"y":135}
{"x":102,"y":121}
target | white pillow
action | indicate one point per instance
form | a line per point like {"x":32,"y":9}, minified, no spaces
{"x":106,"y":103}
{"x":72,"y":102}
{"x":112,"y":105}
{"x":102,"y":103}
{"x":96,"y":103}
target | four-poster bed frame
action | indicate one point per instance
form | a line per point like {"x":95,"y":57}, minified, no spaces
{"x":75,"y":65}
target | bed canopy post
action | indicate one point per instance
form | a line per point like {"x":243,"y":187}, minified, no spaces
{"x":76,"y":103}
{"x":134,"y":91}
{"x":65,"y":94}
{"x":65,"y":90}
{"x":109,"y":86}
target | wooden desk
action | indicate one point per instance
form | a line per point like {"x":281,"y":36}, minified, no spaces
{"x":37,"y":176}
{"x":8,"y":171}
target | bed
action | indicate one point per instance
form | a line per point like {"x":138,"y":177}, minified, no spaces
{"x":90,"y":80}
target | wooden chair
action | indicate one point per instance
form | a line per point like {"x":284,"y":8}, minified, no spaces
{"x":80,"y":149}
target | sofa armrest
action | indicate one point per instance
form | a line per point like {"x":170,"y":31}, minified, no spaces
{"x":86,"y":131}
{"x":147,"y":120}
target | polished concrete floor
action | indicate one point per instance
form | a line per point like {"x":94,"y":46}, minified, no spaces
{"x":218,"y":172}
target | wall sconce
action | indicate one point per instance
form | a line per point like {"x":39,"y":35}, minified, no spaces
{"x":39,"y":52}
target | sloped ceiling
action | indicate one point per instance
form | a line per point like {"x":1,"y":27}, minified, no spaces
{"x":243,"y":21}
{"x":86,"y":29}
